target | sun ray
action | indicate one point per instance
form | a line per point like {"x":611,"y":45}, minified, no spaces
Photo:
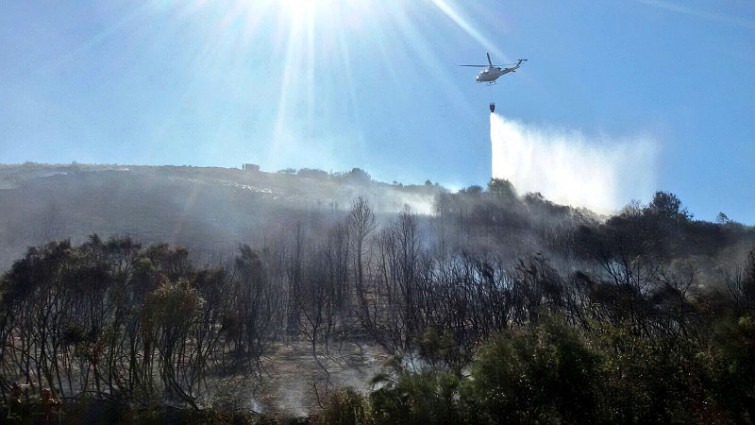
{"x":313,"y":51}
{"x":286,"y":82}
{"x":345,"y":57}
{"x":311,"y":60}
{"x":451,"y":12}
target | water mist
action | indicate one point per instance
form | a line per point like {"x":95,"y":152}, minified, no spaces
{"x":568,"y":168}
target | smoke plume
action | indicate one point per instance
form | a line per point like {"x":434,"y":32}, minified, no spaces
{"x":567,"y":168}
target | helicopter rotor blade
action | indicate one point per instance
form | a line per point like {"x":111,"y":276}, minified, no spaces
{"x":476,"y":66}
{"x":489,"y":61}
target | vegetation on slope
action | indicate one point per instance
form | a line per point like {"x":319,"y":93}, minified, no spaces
{"x":495,"y":309}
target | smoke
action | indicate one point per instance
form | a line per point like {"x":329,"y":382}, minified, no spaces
{"x":568,"y":168}
{"x":396,"y":202}
{"x":291,"y":397}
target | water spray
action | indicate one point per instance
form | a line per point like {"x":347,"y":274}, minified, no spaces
{"x":568,"y":168}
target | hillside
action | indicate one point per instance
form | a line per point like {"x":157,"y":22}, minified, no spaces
{"x":210,"y":211}
{"x":208,"y":295}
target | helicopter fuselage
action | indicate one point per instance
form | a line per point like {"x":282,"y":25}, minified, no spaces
{"x":492,"y":73}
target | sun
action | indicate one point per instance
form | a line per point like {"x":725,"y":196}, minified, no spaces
{"x":295,"y":13}
{"x":306,"y":59}
{"x":301,"y":3}
{"x":296,"y":6}
{"x":317,"y":11}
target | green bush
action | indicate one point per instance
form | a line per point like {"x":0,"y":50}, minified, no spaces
{"x":417,"y":398}
{"x":546,"y":374}
{"x":345,"y":407}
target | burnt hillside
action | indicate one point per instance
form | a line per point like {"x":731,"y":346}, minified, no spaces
{"x":209,"y":210}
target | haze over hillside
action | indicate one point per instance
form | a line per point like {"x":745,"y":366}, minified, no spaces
{"x":211,"y":211}
{"x":208,"y":210}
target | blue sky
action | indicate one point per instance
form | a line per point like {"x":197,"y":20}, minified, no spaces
{"x":336,"y":84}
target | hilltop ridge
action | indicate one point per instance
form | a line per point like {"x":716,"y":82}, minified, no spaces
{"x":209,"y":209}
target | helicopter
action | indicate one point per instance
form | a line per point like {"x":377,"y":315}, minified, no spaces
{"x":492,"y":72}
